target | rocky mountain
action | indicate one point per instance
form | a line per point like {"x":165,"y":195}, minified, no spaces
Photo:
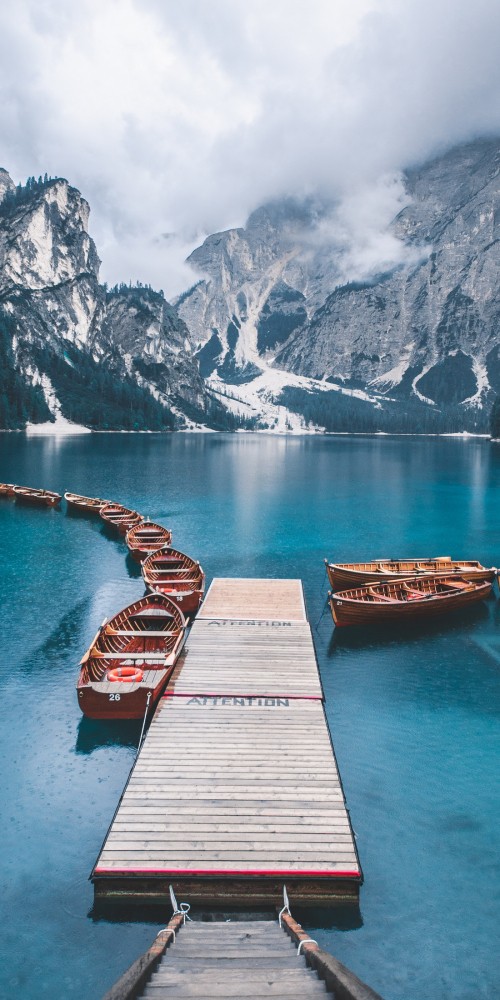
{"x":279,"y":329}
{"x":69,"y":347}
{"x":421,"y":340}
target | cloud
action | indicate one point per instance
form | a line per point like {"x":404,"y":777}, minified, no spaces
{"x":182,"y":118}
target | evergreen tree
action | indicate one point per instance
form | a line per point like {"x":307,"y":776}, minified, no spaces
{"x":495,"y":419}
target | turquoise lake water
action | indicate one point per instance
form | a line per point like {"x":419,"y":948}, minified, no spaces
{"x":413,"y":713}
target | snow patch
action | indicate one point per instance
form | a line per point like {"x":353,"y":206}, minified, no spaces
{"x":395,"y":375}
{"x":425,"y":399}
{"x":61,"y":427}
{"x":260,"y":399}
{"x":481,"y":375}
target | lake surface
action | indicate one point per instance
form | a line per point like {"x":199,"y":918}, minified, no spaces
{"x":413,"y":713}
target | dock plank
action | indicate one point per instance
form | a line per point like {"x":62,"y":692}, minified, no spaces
{"x":263,"y":793}
{"x":254,"y":599}
{"x":237,"y":778}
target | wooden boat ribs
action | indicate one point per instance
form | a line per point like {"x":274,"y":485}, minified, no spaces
{"x":131,"y":658}
{"x":176,"y":574}
{"x":119,"y":517}
{"x":85,"y":505}
{"x":341,"y":576}
{"x":404,"y":600}
{"x":147,"y":537}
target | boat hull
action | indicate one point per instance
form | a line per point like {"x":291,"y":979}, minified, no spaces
{"x":7,"y":489}
{"x":177,"y":576}
{"x":147,"y":538}
{"x":120,"y":518}
{"x":130,"y":659}
{"x":37,"y":499}
{"x":187,"y":601}
{"x":125,"y":701}
{"x":343,"y":578}
{"x":84,"y":505}
{"x":347,"y":611}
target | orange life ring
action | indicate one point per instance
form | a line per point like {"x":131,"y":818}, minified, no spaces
{"x":125,"y":674}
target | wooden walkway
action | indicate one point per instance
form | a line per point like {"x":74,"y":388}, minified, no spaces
{"x":224,"y":657}
{"x":249,"y":960}
{"x":243,"y":959}
{"x":264,"y":600}
{"x":236,"y":788}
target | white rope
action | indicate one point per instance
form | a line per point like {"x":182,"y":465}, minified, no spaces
{"x":167,"y":930}
{"x":286,"y":907}
{"x":143,"y":722}
{"x":306,"y":941}
{"x":180,"y":909}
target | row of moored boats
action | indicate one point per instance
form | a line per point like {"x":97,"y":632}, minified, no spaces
{"x":131,"y":658}
{"x":133,"y":655}
{"x":391,"y":590}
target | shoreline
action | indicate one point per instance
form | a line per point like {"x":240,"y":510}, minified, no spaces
{"x":81,"y":431}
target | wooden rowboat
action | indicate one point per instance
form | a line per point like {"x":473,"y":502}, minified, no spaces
{"x":119,"y":517}
{"x":7,"y":489}
{"x":84,"y":505}
{"x":405,"y":600}
{"x":174,"y":573}
{"x":147,"y":537}
{"x":42,"y":498}
{"x":345,"y":575}
{"x":128,"y":663}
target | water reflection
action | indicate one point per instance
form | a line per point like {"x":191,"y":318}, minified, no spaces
{"x":340,"y":917}
{"x":132,"y":566}
{"x":412,"y":712}
{"x":93,"y":734}
{"x":62,"y":643}
{"x":377,"y":636}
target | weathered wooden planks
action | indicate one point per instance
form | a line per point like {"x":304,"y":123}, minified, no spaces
{"x":222,"y":810}
{"x":244,"y":959}
{"x":265,"y":658}
{"x":236,"y":787}
{"x":251,"y":599}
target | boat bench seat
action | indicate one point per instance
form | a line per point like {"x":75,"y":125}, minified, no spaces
{"x":414,"y":595}
{"x":144,"y":633}
{"x":172,"y":571}
{"x":159,"y":657}
{"x":457,"y":584}
{"x":383,"y":597}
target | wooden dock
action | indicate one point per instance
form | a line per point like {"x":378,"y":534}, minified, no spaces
{"x":236,"y":788}
{"x":243,"y":959}
{"x":251,"y":959}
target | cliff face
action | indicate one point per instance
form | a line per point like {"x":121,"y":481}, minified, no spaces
{"x":270,"y":332}
{"x":427,"y":331}
{"x":64,"y":328}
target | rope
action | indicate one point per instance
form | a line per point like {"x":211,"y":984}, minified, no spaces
{"x":167,"y":930}
{"x":286,"y":907}
{"x":180,"y":909}
{"x":306,"y":941}
{"x":322,"y":613}
{"x":144,"y":722}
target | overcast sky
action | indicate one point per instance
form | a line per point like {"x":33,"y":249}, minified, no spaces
{"x":175,"y":118}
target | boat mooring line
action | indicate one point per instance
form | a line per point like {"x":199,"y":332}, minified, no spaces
{"x":143,"y":723}
{"x":322,"y":613}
